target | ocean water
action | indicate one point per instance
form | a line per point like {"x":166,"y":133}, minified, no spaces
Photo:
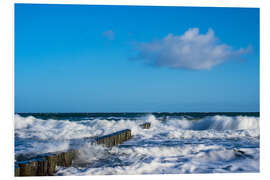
{"x":183,"y":143}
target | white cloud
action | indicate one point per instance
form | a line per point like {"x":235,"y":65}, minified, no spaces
{"x":109,"y":34}
{"x":191,"y":50}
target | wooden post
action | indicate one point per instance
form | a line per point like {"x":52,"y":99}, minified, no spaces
{"x":25,"y":169}
{"x":42,"y":167}
{"x":17,"y":170}
{"x":52,"y":161}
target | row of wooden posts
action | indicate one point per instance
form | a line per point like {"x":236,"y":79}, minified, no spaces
{"x":45,"y":165}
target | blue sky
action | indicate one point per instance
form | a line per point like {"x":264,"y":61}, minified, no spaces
{"x":84,"y":58}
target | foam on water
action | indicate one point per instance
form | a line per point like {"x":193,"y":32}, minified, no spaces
{"x":176,"y":145}
{"x":31,"y":127}
{"x":173,"y":160}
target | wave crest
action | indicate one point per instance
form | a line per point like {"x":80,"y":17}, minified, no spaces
{"x":221,"y":123}
{"x":31,"y":127}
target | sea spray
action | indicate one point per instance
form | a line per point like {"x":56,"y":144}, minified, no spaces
{"x":89,"y":153}
{"x":179,"y":144}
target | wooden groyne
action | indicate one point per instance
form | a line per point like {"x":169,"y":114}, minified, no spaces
{"x":45,"y":165}
{"x":115,"y":138}
{"x":145,"y":125}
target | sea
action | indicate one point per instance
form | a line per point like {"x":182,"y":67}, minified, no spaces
{"x":176,"y":143}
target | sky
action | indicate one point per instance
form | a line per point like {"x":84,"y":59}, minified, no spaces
{"x":85,"y":58}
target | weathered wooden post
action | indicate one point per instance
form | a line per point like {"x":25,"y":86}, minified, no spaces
{"x":42,"y":167}
{"x":52,"y":161}
{"x":17,"y":170}
{"x":25,"y":169}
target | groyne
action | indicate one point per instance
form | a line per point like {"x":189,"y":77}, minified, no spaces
{"x":45,"y":164}
{"x":114,"y":138}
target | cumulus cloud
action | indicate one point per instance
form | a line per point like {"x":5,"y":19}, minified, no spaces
{"x":191,"y":50}
{"x":109,"y":34}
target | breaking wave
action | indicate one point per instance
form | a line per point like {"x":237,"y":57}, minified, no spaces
{"x":175,"y":145}
{"x":31,"y":127}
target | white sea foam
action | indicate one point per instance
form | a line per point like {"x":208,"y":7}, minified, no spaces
{"x":221,"y":126}
{"x":89,"y":153}
{"x":191,"y":146}
{"x":174,"y":160}
{"x":35,"y":147}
